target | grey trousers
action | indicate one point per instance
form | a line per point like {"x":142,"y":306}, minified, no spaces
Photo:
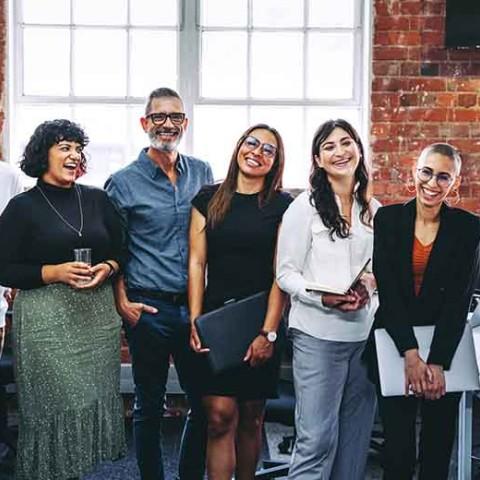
{"x":335,"y":409}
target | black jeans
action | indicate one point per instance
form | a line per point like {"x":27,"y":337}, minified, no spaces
{"x":437,"y":435}
{"x":151,"y":342}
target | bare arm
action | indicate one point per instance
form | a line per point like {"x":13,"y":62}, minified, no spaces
{"x":197,"y":262}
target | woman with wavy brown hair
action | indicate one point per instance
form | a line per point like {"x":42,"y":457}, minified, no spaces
{"x":326,"y":237}
{"x":233,"y":233}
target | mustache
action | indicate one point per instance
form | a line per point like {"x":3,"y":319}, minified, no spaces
{"x":159,"y":131}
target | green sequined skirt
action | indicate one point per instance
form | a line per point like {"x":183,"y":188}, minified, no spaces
{"x":67,"y":350}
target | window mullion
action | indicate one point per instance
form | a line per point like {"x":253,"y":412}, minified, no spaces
{"x":189,"y":62}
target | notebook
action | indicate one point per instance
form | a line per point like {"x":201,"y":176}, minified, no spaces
{"x":462,"y":376}
{"x":316,"y":287}
{"x":229,"y":330}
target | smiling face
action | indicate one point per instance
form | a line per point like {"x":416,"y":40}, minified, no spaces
{"x":63,"y":162}
{"x":257,"y":153}
{"x":338,"y":154}
{"x":167,"y":136}
{"x":443,"y":179}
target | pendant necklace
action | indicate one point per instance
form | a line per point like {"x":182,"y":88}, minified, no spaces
{"x":78,"y":231}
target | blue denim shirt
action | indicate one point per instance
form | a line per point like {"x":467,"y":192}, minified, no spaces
{"x":156,"y":214}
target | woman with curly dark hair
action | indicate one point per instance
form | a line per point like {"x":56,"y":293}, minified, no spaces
{"x":65,"y":329}
{"x":326,"y":237}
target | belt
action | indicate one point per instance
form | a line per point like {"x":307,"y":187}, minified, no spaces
{"x":177,"y":298}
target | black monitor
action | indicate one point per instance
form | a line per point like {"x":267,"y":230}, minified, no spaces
{"x":462,"y":25}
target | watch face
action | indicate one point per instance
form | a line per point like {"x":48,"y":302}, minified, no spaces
{"x":271,"y":336}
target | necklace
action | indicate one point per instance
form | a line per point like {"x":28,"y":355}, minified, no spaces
{"x":61,"y":217}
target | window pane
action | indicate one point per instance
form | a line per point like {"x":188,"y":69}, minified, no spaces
{"x":106,"y":127}
{"x":216,"y":132}
{"x":100,"y":62}
{"x":46,"y":67}
{"x":224,"y":65}
{"x":154,"y":12}
{"x":146,"y":74}
{"x":278,"y":13}
{"x":340,"y":13}
{"x":26,"y":118}
{"x":330,"y":65}
{"x":104,"y":12}
{"x":46,"y":11}
{"x":277,"y":65}
{"x":317,"y":115}
{"x":289,"y":123}
{"x":224,"y":14}
{"x":138,"y":138}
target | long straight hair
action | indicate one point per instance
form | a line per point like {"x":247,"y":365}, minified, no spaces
{"x":322,"y":196}
{"x":222,"y":199}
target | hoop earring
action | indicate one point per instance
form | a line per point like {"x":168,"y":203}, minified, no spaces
{"x":455,"y":200}
{"x":410,"y":186}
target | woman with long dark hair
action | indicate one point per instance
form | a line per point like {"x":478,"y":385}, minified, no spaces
{"x":232,"y":235}
{"x":66,"y":332}
{"x":326,"y":238}
{"x":426,"y":260}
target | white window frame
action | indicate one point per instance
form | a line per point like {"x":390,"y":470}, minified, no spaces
{"x":189,"y":57}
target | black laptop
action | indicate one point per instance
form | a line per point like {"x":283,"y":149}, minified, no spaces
{"x":229,"y":330}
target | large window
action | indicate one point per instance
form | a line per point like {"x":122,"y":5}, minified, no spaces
{"x":289,"y":63}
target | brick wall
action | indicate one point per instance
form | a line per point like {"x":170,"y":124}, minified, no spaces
{"x":421,"y":93}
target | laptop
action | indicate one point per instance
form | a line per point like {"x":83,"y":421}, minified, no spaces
{"x":462,"y":376}
{"x":229,"y":330}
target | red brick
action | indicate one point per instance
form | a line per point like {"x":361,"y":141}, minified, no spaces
{"x":466,"y":54}
{"x":428,"y":114}
{"x":387,"y":7}
{"x":385,"y":145}
{"x":464,"y":115}
{"x":430,"y":84}
{"x":434,"y":53}
{"x":467,"y":100}
{"x":389,"y":84}
{"x":434,"y":23}
{"x":411,"y":8}
{"x":384,"y":22}
{"x":409,"y":100}
{"x":446,"y":99}
{"x":432,"y":38}
{"x":381,"y":129}
{"x":415,"y":53}
{"x":410,"y":69}
{"x":434,"y":7}
{"x":386,"y":68}
{"x":390,"y":53}
{"x":463,"y":85}
{"x":387,"y":100}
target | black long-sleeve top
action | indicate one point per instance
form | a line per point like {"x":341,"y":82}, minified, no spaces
{"x":33,"y":235}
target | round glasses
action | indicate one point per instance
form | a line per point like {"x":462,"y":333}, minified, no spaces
{"x":252,"y":143}
{"x":177,"y":118}
{"x":443,"y":179}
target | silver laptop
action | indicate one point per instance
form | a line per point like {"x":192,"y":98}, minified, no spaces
{"x":462,"y":376}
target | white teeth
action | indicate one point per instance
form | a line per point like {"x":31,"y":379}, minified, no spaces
{"x":252,"y":163}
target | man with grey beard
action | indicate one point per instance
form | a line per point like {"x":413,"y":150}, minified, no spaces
{"x":153,"y":196}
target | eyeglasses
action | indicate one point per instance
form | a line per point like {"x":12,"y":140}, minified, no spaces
{"x":252,"y":143}
{"x":177,"y":118}
{"x":443,"y":179}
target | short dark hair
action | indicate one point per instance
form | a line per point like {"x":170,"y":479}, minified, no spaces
{"x":34,"y":161}
{"x":158,"y":93}
{"x":446,"y":150}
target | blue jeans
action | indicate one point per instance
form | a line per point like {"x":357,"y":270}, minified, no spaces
{"x":151,"y":342}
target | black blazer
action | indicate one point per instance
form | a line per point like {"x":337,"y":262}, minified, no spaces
{"x":447,"y":285}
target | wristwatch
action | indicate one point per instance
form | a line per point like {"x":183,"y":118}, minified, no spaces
{"x":270,"y":336}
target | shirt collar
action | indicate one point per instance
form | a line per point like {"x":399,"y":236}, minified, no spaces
{"x":153,"y":170}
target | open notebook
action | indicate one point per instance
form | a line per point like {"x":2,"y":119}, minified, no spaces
{"x":316,"y":287}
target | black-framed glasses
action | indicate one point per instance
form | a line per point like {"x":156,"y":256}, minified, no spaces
{"x":268,"y":150}
{"x":443,"y":179}
{"x":177,"y":118}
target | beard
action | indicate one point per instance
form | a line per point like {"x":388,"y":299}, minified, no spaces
{"x":165,"y":145}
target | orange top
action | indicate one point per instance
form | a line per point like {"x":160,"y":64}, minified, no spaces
{"x":420,"y":256}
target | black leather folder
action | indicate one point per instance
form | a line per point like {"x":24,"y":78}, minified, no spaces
{"x":229,"y":330}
